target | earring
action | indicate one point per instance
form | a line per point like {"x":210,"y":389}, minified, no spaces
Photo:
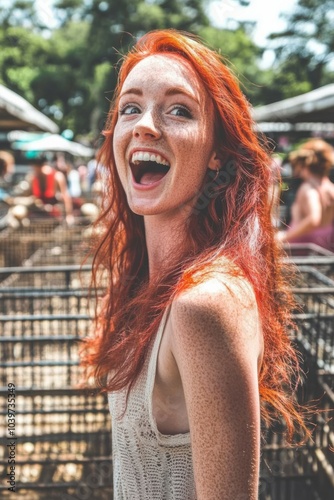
{"x":217,"y":173}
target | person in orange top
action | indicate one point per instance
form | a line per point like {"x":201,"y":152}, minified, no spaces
{"x":46,"y":184}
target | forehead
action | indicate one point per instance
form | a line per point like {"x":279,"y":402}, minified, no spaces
{"x":163,"y":71}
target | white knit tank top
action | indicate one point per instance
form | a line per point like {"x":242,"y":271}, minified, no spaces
{"x":148,"y":465}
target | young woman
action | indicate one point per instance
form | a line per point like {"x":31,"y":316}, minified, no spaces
{"x":312,"y":213}
{"x":191,"y":339}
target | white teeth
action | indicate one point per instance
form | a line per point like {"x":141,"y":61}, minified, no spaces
{"x":145,"y":156}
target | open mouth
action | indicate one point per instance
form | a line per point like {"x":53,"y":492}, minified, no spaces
{"x":148,"y":171}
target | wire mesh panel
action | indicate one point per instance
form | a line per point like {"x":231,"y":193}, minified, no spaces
{"x":56,"y":423}
{"x":17,"y":244}
{"x":50,"y":278}
{"x":62,"y":437}
{"x":41,"y":329}
{"x":315,"y":319}
{"x":309,"y":254}
{"x":45,"y":242}
{"x":324,"y":436}
{"x":288,"y":474}
{"x":66,"y":245}
{"x":307,"y":471}
{"x":63,"y":432}
{"x":74,"y":301}
{"x":42,"y":351}
{"x":306,"y":250}
{"x":304,"y":473}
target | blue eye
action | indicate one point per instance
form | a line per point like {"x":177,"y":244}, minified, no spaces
{"x":181,"y":111}
{"x":129,"y":109}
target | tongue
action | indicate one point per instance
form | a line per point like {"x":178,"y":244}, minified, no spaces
{"x":151,"y":177}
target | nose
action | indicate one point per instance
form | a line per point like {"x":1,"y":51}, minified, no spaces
{"x":147,"y":127}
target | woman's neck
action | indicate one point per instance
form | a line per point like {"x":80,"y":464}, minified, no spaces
{"x":166,"y":240}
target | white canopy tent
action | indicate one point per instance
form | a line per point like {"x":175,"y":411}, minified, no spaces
{"x":55,"y":143}
{"x":316,"y":106}
{"x":17,"y":113}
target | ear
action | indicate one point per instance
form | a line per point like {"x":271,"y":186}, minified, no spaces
{"x":215,"y":163}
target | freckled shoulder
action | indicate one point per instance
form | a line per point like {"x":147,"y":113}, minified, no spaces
{"x":222,"y":308}
{"x":216,"y":341}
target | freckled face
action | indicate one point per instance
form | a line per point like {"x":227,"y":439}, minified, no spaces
{"x":164,"y":111}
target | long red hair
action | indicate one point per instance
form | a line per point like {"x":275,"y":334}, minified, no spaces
{"x":231,"y":221}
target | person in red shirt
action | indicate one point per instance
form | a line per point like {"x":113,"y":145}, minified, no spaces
{"x":49,"y":186}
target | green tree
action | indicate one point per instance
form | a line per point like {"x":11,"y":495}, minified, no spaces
{"x":20,"y":13}
{"x":66,"y":65}
{"x":60,"y":89}
{"x":305,"y":50}
{"x":242,"y":56}
{"x":20,"y":49}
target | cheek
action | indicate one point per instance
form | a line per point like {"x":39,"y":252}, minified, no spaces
{"x":117,"y":141}
{"x":118,"y":147}
{"x":197,"y":141}
{"x":119,"y":163}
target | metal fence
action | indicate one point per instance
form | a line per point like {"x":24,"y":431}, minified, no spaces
{"x":307,"y":472}
{"x":45,"y":242}
{"x":63,"y":432}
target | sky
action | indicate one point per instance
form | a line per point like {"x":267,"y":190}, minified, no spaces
{"x":266,"y":13}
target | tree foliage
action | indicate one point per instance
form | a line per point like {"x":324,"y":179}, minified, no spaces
{"x":241,"y":54}
{"x":305,"y":49}
{"x":64,"y":60}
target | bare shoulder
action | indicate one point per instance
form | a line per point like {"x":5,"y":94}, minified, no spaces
{"x":59,"y":176}
{"x":308,"y":192}
{"x":217,"y":344}
{"x":222,"y":310}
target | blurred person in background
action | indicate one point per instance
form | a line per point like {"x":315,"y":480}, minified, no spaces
{"x":48,"y":188}
{"x":312,"y":212}
{"x":275,"y":188}
{"x":13,"y":210}
{"x":4,"y":184}
{"x":5,"y":196}
{"x":74,"y":187}
{"x":72,"y":178}
{"x":92,"y":172}
{"x":191,"y":341}
{"x":7,"y":159}
{"x":83,"y":173}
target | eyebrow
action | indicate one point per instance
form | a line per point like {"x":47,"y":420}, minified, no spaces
{"x":169,"y":92}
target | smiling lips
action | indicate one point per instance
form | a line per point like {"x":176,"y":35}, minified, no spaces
{"x":148,"y":167}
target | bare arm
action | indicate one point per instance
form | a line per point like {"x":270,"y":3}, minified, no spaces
{"x":61,"y":181}
{"x":217,"y":345}
{"x":311,"y":208}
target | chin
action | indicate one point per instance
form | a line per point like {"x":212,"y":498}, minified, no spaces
{"x":141,"y":209}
